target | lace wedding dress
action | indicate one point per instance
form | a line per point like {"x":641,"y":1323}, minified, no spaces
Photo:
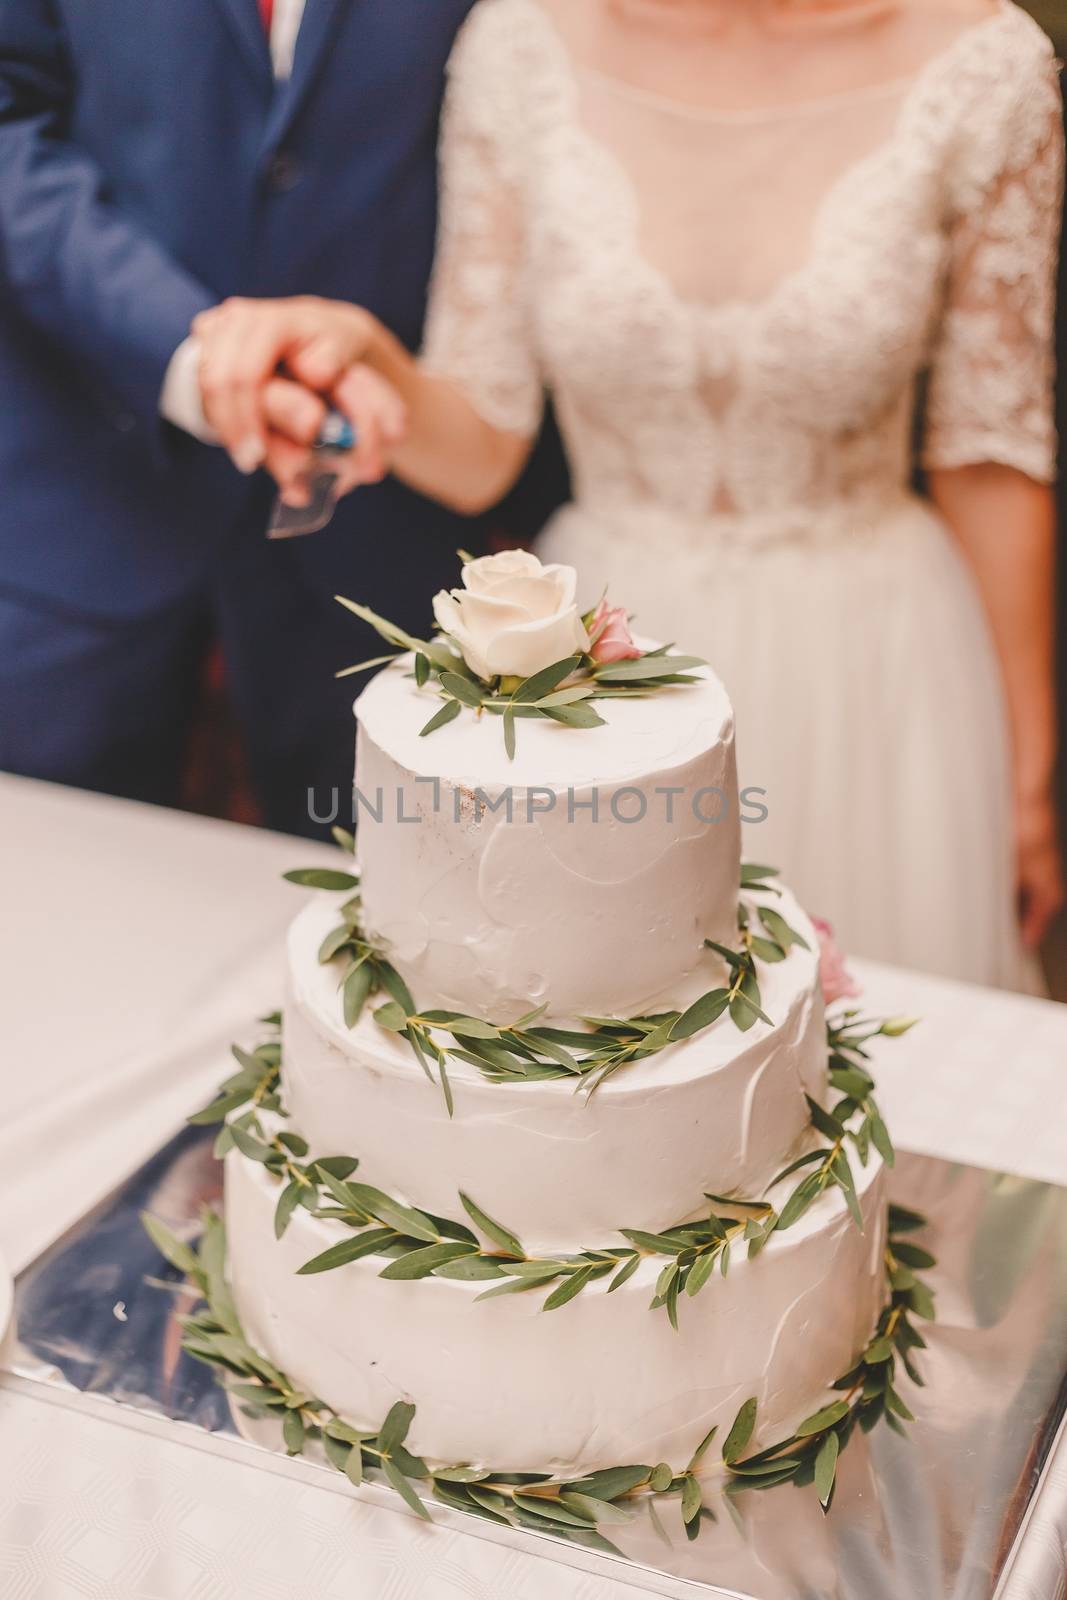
{"x":732,"y":308}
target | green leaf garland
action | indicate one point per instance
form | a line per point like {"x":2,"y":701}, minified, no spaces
{"x":419,"y":1245}
{"x":575,"y":1507}
{"x":525,"y":1051}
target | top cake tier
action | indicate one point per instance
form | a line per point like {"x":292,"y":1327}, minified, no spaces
{"x":582,"y":875}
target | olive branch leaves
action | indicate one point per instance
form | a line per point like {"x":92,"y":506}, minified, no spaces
{"x":867,"y":1393}
{"x":418,"y":1244}
{"x":561,"y":692}
{"x":574,"y":1508}
{"x":696,"y":1249}
{"x":527,"y":1050}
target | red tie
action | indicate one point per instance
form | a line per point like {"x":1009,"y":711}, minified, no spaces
{"x":266,"y":11}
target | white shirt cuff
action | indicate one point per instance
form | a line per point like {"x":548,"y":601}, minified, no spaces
{"x":179,"y":398}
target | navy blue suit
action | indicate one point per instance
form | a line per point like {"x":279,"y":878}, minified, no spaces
{"x":149,"y":166}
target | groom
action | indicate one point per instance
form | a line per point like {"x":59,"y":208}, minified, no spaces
{"x":155,"y":157}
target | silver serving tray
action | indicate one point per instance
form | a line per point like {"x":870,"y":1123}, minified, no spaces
{"x":938,"y":1513}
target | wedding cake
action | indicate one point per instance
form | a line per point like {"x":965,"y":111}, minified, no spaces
{"x":604,"y":1202}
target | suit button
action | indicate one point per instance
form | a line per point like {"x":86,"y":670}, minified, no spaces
{"x":125,"y":422}
{"x":284,"y":172}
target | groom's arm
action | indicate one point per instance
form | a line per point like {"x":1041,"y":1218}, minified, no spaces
{"x":76,"y":267}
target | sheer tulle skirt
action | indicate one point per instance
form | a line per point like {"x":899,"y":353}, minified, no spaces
{"x":869,"y":708}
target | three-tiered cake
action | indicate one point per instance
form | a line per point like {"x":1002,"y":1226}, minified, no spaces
{"x":557,"y":1035}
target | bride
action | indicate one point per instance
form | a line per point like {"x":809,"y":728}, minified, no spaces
{"x":729,"y":236}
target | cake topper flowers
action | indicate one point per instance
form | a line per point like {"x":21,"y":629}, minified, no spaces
{"x":610,"y":638}
{"x":513,"y":616}
{"x":512,"y":643}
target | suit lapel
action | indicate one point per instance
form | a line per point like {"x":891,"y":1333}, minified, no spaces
{"x":317,"y":30}
{"x":245,"y":24}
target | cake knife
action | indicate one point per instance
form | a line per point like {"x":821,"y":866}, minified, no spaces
{"x":336,"y":438}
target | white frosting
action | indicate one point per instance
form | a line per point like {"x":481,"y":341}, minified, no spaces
{"x":602,"y":1381}
{"x":596,"y":914}
{"x":495,"y":914}
{"x":716,"y":1112}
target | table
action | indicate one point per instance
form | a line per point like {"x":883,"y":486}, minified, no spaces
{"x":135,"y":943}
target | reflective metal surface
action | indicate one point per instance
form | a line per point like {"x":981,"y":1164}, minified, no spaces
{"x":925,"y":1517}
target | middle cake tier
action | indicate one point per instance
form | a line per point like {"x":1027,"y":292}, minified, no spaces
{"x":718,"y":1112}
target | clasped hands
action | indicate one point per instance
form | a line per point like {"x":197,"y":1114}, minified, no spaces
{"x":270,"y":370}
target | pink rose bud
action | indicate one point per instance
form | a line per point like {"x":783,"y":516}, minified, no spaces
{"x":837,"y":982}
{"x":611,"y":636}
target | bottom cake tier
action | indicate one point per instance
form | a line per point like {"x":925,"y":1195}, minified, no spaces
{"x":600,"y":1381}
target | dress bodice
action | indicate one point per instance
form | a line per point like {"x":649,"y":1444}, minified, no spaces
{"x":732,"y":310}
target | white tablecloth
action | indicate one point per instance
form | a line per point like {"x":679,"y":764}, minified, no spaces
{"x":134,"y":944}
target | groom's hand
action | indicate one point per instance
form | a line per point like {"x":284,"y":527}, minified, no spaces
{"x":377,"y":414}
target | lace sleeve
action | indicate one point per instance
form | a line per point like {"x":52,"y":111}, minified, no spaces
{"x":992,"y":369}
{"x":478,"y":330}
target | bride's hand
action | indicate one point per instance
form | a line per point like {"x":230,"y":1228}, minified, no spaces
{"x":248,"y":346}
{"x":1039,"y":868}
{"x":295,"y":417}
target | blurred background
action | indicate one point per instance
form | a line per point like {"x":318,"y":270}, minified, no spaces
{"x":1052,"y":14}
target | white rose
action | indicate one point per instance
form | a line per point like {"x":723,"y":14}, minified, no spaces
{"x":513,"y":616}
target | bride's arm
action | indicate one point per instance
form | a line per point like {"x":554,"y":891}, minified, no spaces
{"x":408,"y":421}
{"x":1006,"y":526}
{"x":990,"y":446}
{"x":450,"y":451}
